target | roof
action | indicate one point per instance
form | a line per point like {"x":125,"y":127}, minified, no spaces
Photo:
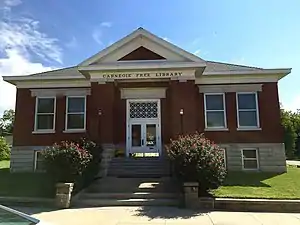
{"x":212,"y":66}
{"x":69,"y":71}
{"x":140,"y":32}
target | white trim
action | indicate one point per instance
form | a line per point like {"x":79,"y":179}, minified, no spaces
{"x":229,"y":88}
{"x":60,"y":92}
{"x":52,"y":84}
{"x":75,"y":131}
{"x":248,"y":128}
{"x":143,"y":93}
{"x":238,"y":110}
{"x":140,"y":32}
{"x":257,"y":159}
{"x":248,"y":72}
{"x":143,"y":121}
{"x":78,"y":130}
{"x":118,"y":66}
{"x":224,"y":111}
{"x":43,"y":132}
{"x":36,"y":115}
{"x":239,"y":79}
{"x":216,"y":129}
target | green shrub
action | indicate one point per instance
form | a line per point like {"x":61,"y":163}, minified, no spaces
{"x":66,"y":161}
{"x":197,"y":159}
{"x":4,"y":149}
{"x":93,"y":167}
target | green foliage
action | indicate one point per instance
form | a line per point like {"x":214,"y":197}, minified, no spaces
{"x":6,"y":122}
{"x":92,"y":169}
{"x":291,"y":124}
{"x":66,"y":161}
{"x":197,"y":159}
{"x":4,"y":149}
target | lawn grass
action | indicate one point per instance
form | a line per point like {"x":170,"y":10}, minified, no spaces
{"x":261,"y":185}
{"x":24,"y":184}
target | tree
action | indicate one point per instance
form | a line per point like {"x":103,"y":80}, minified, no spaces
{"x":7,"y":122}
{"x":291,"y":124}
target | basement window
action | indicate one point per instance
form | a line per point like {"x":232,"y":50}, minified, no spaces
{"x":250,"y":159}
{"x":39,"y":165}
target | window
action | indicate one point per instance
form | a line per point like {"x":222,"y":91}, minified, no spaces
{"x":250,"y":159}
{"x":38,"y":161}
{"x":75,"y":113}
{"x":247,"y":110}
{"x":214,"y":105}
{"x":45,"y":114}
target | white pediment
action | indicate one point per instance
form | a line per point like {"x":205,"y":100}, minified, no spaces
{"x":141,"y":38}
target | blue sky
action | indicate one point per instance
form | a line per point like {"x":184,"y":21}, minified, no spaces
{"x":41,"y":35}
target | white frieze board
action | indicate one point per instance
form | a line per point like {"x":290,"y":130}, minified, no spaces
{"x":230,"y":88}
{"x":143,"y":93}
{"x":60,"y":92}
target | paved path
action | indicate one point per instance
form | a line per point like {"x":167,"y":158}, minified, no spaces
{"x":292,"y":162}
{"x":157,"y":216}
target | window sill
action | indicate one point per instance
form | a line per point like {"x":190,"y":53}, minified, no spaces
{"x":248,"y":169}
{"x":216,"y":129}
{"x":248,"y":128}
{"x":43,"y":132}
{"x":74,"y":131}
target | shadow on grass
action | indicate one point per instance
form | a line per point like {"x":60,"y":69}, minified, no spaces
{"x":166,"y":212}
{"x":248,"y":179}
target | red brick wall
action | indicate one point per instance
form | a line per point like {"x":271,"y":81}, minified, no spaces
{"x":110,"y":127}
{"x":269,"y":113}
{"x":24,"y":122}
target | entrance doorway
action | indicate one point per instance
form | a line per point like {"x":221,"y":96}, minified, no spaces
{"x":143,"y":128}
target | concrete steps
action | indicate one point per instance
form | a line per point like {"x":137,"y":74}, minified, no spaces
{"x":140,"y":167}
{"x":129,"y":202}
{"x":114,"y":191}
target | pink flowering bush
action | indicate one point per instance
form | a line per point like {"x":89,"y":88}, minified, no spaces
{"x":197,"y":159}
{"x":66,"y":160}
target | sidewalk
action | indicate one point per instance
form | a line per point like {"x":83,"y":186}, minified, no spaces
{"x":157,"y":216}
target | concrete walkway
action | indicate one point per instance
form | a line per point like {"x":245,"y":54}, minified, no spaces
{"x":157,"y":216}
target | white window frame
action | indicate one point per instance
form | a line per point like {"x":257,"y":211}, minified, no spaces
{"x":216,"y":110}
{"x":250,"y":159}
{"x":35,"y":161}
{"x":247,"y":110}
{"x":76,"y":113}
{"x":36,"y":114}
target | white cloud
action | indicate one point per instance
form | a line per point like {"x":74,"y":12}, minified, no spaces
{"x":98,"y":32}
{"x":197,"y":52}
{"x":73,"y":43}
{"x":106,"y":24}
{"x":97,"y":35}
{"x":15,"y":64}
{"x":20,"y":38}
{"x":10,"y":3}
{"x":23,"y":34}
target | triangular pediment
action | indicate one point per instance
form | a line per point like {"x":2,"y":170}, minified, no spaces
{"x":141,"y":45}
{"x":142,"y":53}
